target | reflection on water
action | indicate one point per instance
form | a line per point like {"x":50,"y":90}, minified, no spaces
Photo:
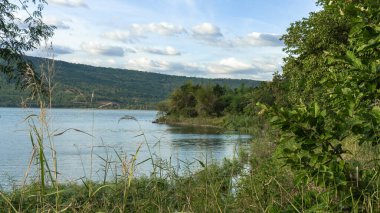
{"x":178,"y":129}
{"x":173,"y":144}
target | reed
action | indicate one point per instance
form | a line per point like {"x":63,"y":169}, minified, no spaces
{"x":253,"y":182}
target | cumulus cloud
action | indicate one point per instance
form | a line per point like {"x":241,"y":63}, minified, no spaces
{"x":165,"y":51}
{"x":69,"y":3}
{"x":256,"y":67}
{"x":213,"y":35}
{"x":129,"y":50}
{"x":123,"y":36}
{"x":57,"y":23}
{"x":229,"y":65}
{"x":206,"y":31}
{"x":162,"y":28}
{"x":139,"y":31}
{"x":225,"y":68}
{"x":162,"y":66}
{"x":268,"y":65}
{"x":259,"y":39}
{"x":101,"y":49}
{"x":146,"y":64}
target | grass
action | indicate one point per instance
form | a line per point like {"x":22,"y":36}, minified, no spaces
{"x":256,"y":180}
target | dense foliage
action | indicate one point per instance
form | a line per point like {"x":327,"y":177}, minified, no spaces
{"x":216,"y":105}
{"x":333,"y":76}
{"x":325,"y":107}
{"x":196,"y":100}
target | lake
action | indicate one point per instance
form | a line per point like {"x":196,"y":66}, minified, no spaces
{"x":86,"y":139}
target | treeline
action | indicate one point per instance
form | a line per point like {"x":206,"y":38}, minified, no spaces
{"x":232,"y":108}
{"x":193,"y":100}
{"x":213,"y":101}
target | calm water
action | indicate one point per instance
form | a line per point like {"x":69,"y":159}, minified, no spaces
{"x":178,"y":146}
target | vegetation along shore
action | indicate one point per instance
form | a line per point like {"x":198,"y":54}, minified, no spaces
{"x":316,"y":129}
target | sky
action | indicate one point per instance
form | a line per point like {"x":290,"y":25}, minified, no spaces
{"x":197,"y":38}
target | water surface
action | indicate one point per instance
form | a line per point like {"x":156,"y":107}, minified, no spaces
{"x":86,"y":139}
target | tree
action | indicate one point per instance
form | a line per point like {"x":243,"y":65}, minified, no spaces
{"x":344,"y":105}
{"x":183,"y":100}
{"x":19,"y":35}
{"x":308,"y":43}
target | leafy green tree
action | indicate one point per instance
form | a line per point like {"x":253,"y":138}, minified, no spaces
{"x":205,"y":101}
{"x":344,"y":103}
{"x":19,"y":35}
{"x":183,"y":101}
{"x":211,"y":100}
{"x":308,"y":43}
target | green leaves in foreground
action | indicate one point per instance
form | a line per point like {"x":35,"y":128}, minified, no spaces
{"x":345,"y":99}
{"x":310,"y":144}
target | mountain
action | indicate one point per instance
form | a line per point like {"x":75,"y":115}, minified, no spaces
{"x":79,"y":85}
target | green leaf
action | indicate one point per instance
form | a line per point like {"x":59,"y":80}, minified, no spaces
{"x":346,"y":91}
{"x":299,"y":179}
{"x":351,"y":107}
{"x":201,"y":163}
{"x":374,"y":67}
{"x":274,"y":119}
{"x":287,"y":151}
{"x":323,"y":113}
{"x":356,"y":62}
{"x":316,"y":109}
{"x":376,"y":112}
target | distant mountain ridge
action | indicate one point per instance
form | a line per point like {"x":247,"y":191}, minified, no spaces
{"x":79,"y":85}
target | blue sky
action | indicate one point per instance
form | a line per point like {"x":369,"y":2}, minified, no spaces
{"x":199,"y":38}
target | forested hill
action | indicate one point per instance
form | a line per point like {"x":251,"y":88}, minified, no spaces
{"x":75,"y":84}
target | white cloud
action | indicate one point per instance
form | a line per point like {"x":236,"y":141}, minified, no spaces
{"x":111,"y":61}
{"x":163,"y":28}
{"x":165,"y":51}
{"x":124,"y":36}
{"x":69,"y":3}
{"x":229,"y":65}
{"x":146,"y":64}
{"x":269,"y":65}
{"x":166,"y":67}
{"x":56,"y":22}
{"x":258,"y":39}
{"x":206,"y":31}
{"x":101,"y":49}
{"x":225,"y":68}
{"x":139,"y":31}
{"x":188,"y":69}
{"x":129,"y":50}
{"x":232,"y":67}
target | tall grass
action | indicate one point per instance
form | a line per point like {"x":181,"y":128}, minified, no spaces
{"x":256,"y":181}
